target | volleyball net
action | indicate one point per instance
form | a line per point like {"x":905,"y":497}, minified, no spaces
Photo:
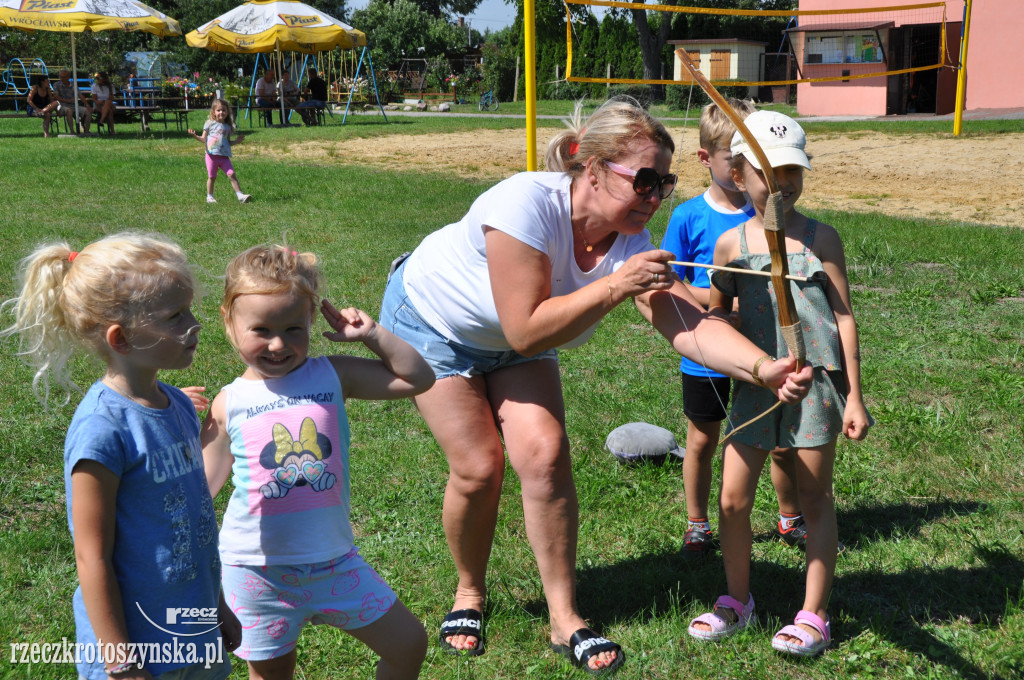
{"x":768,"y":48}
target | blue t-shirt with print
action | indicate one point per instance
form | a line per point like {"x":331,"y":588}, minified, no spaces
{"x":165,"y":555}
{"x":693,"y":230}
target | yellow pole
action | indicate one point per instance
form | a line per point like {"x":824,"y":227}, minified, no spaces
{"x":530,"y":49}
{"x":961,"y":76}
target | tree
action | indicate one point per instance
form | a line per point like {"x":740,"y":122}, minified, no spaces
{"x":398,"y":28}
{"x":447,"y":9}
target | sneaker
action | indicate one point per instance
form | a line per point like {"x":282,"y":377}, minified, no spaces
{"x":797,"y":535}
{"x":244,"y":198}
{"x":698,"y":544}
{"x":211,"y":199}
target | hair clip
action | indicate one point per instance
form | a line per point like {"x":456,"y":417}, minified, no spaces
{"x":72,"y":255}
{"x":574,"y":148}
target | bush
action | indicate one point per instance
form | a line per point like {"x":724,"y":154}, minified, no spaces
{"x":677,"y":96}
{"x":644,"y":94}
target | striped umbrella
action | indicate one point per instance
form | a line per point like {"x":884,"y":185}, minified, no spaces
{"x":76,"y":16}
{"x":260,"y":26}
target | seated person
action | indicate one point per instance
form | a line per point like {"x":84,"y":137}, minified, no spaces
{"x":266,"y":93}
{"x":64,"y":91}
{"x":103,"y":100}
{"x":316,"y":98}
{"x":289,"y":92}
{"x":41,"y":102}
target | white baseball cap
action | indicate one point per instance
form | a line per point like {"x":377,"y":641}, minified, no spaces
{"x":781,"y":138}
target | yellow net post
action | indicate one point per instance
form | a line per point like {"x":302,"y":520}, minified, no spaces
{"x":530,"y":47}
{"x":961,"y":76}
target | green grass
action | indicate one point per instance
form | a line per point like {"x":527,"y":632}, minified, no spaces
{"x":931,"y":505}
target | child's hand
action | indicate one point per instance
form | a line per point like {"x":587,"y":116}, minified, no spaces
{"x":195,"y":393}
{"x":230,"y":627}
{"x":779,"y":375}
{"x":192,"y":132}
{"x":350,"y":324}
{"x":856,"y":421}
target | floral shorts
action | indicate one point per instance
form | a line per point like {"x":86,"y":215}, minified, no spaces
{"x":273,"y":603}
{"x":815,"y":421}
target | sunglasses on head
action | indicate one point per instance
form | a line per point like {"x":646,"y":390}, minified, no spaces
{"x":646,"y":180}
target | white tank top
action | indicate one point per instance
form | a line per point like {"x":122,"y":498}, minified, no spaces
{"x":290,"y":442}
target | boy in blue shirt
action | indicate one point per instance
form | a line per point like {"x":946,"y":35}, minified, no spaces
{"x":692,"y":233}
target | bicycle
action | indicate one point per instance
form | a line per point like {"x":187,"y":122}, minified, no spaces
{"x":488,"y":102}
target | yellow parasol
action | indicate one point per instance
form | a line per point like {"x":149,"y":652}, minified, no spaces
{"x":261,"y":26}
{"x":77,"y":16}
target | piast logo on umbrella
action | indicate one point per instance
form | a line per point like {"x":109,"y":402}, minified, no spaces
{"x":299,"y":20}
{"x":45,"y":5}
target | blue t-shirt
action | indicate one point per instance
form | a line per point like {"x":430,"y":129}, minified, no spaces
{"x":165,"y":537}
{"x":693,"y":230}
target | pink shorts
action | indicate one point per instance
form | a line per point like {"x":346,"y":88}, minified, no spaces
{"x":213,"y":163}
{"x":274,"y":603}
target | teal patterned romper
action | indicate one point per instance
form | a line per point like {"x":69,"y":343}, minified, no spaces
{"x":818,"y":419}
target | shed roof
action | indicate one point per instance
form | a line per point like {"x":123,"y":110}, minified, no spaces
{"x":705,"y":41}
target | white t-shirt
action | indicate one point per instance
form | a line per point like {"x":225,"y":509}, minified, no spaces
{"x":265,"y":89}
{"x":447,"y":279}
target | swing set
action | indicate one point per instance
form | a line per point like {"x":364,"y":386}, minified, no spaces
{"x":338,"y":67}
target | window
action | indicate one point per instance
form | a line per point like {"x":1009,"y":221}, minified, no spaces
{"x":845,"y":48}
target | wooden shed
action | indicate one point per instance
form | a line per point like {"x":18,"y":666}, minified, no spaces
{"x":720,"y":59}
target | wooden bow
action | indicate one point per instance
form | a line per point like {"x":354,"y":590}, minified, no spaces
{"x":774,"y":231}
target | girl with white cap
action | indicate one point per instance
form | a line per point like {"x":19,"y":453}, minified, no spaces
{"x":808,"y":430}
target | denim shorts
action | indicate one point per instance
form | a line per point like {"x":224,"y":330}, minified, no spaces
{"x":446,"y":357}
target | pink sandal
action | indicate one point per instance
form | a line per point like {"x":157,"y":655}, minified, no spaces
{"x":722,"y":628}
{"x":809,"y":646}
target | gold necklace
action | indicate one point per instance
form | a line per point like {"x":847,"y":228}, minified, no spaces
{"x":583,"y":238}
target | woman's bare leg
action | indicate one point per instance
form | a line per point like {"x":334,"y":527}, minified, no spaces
{"x":459,"y":415}
{"x":531,"y":414}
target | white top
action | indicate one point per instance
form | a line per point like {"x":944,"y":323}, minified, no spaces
{"x":447,"y":279}
{"x":265,"y":89}
{"x":100,"y":93}
{"x":290,"y":442}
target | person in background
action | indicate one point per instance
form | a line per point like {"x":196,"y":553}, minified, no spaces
{"x":103,"y":98}
{"x":41,"y":102}
{"x":289,"y":93}
{"x":316,"y":98}
{"x":266,"y":94}
{"x":64,"y":90}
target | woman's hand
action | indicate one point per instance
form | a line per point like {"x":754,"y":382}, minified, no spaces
{"x":642,"y":273}
{"x":780,"y":377}
{"x":350,"y":324}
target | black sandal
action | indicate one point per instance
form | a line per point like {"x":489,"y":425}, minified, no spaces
{"x":468,"y":622}
{"x":585,"y":644}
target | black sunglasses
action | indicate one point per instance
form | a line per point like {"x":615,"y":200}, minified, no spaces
{"x":646,"y":180}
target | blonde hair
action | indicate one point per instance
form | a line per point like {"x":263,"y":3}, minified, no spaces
{"x":270,"y":270}
{"x":69,"y":299}
{"x":227,"y":106}
{"x":716,"y":130}
{"x":607,"y":135}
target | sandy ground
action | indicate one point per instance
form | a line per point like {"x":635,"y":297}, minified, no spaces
{"x":970,"y":179}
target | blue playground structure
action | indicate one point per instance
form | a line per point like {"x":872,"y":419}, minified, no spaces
{"x":16,"y":79}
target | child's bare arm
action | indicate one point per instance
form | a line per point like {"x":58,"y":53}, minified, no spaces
{"x":93,"y":515}
{"x":400,"y":371}
{"x":201,"y":138}
{"x":216,"y":443}
{"x":726,"y":251}
{"x":829,"y":249}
